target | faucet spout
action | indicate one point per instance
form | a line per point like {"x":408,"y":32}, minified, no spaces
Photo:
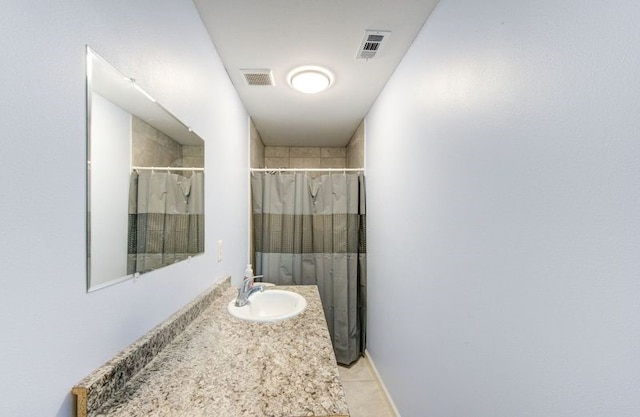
{"x":246,"y":289}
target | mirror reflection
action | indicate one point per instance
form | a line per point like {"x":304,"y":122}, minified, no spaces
{"x":145,"y":180}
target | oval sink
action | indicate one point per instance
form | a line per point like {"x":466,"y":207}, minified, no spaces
{"x":269,"y":305}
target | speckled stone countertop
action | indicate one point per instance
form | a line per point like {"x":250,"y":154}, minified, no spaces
{"x":222,"y":366}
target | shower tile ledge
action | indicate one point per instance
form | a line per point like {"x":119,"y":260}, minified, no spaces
{"x":219,"y":365}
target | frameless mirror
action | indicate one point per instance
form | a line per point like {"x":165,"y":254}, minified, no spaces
{"x":145,"y":180}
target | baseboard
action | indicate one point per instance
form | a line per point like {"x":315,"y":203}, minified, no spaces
{"x":387,"y":396}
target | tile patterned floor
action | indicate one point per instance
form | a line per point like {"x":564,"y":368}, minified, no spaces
{"x":364,"y":395}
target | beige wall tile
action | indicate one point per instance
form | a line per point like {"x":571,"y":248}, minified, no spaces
{"x":192,"y":150}
{"x":270,"y":162}
{"x":304,"y":157}
{"x":193,"y":156}
{"x":276,"y":151}
{"x":150,"y":147}
{"x":333,"y":152}
{"x":257,"y":148}
{"x":193,"y":161}
{"x":142,"y":129}
{"x":305,"y":162}
{"x":333,"y":163}
{"x":304,"y":152}
{"x":355,"y":148}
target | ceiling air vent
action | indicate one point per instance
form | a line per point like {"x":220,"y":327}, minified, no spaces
{"x":258,"y":76}
{"x":371,"y":43}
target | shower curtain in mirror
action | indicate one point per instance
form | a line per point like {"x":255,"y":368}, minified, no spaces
{"x":311,"y":230}
{"x":166,"y":219}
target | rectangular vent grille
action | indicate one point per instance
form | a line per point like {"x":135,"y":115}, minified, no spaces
{"x":371,"y":43}
{"x":258,"y":77}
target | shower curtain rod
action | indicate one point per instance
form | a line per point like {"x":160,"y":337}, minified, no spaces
{"x":166,"y":169}
{"x":306,"y":169}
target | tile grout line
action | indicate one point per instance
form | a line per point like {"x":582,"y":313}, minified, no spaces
{"x":383,"y":388}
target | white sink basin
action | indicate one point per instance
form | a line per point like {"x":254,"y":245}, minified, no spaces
{"x":269,"y":305}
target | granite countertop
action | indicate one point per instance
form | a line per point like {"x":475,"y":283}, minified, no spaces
{"x":222,"y":366}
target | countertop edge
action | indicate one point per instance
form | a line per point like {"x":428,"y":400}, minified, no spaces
{"x":104,"y":382}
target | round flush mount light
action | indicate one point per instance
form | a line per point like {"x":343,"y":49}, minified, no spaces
{"x":310,"y":79}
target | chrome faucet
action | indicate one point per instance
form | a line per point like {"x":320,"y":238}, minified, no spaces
{"x":246,"y":289}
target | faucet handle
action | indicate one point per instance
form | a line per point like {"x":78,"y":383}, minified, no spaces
{"x":248,"y":282}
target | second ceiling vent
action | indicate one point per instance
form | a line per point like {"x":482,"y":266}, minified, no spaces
{"x":258,"y":76}
{"x":372,"y":42}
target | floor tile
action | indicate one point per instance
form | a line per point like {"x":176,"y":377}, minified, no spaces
{"x":365,"y":399}
{"x":359,"y":371}
{"x":363,"y":392}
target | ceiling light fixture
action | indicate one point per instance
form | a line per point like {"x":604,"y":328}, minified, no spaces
{"x":310,"y":79}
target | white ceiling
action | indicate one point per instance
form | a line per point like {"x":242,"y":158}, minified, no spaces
{"x":283,"y":34}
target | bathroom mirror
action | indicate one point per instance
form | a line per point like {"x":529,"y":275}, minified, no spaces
{"x":145,"y":180}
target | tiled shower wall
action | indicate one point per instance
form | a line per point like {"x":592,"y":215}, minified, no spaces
{"x":152,"y":148}
{"x":355,"y":148}
{"x":193,"y":156}
{"x":351,"y":156}
{"x":256,"y":148}
{"x":304,"y":157}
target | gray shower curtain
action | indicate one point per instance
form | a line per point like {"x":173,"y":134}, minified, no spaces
{"x":312,"y":231}
{"x":166,"y":219}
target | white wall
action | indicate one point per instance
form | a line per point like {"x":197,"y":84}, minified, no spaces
{"x":110,"y":173}
{"x":503,"y":174}
{"x":53,"y":333}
